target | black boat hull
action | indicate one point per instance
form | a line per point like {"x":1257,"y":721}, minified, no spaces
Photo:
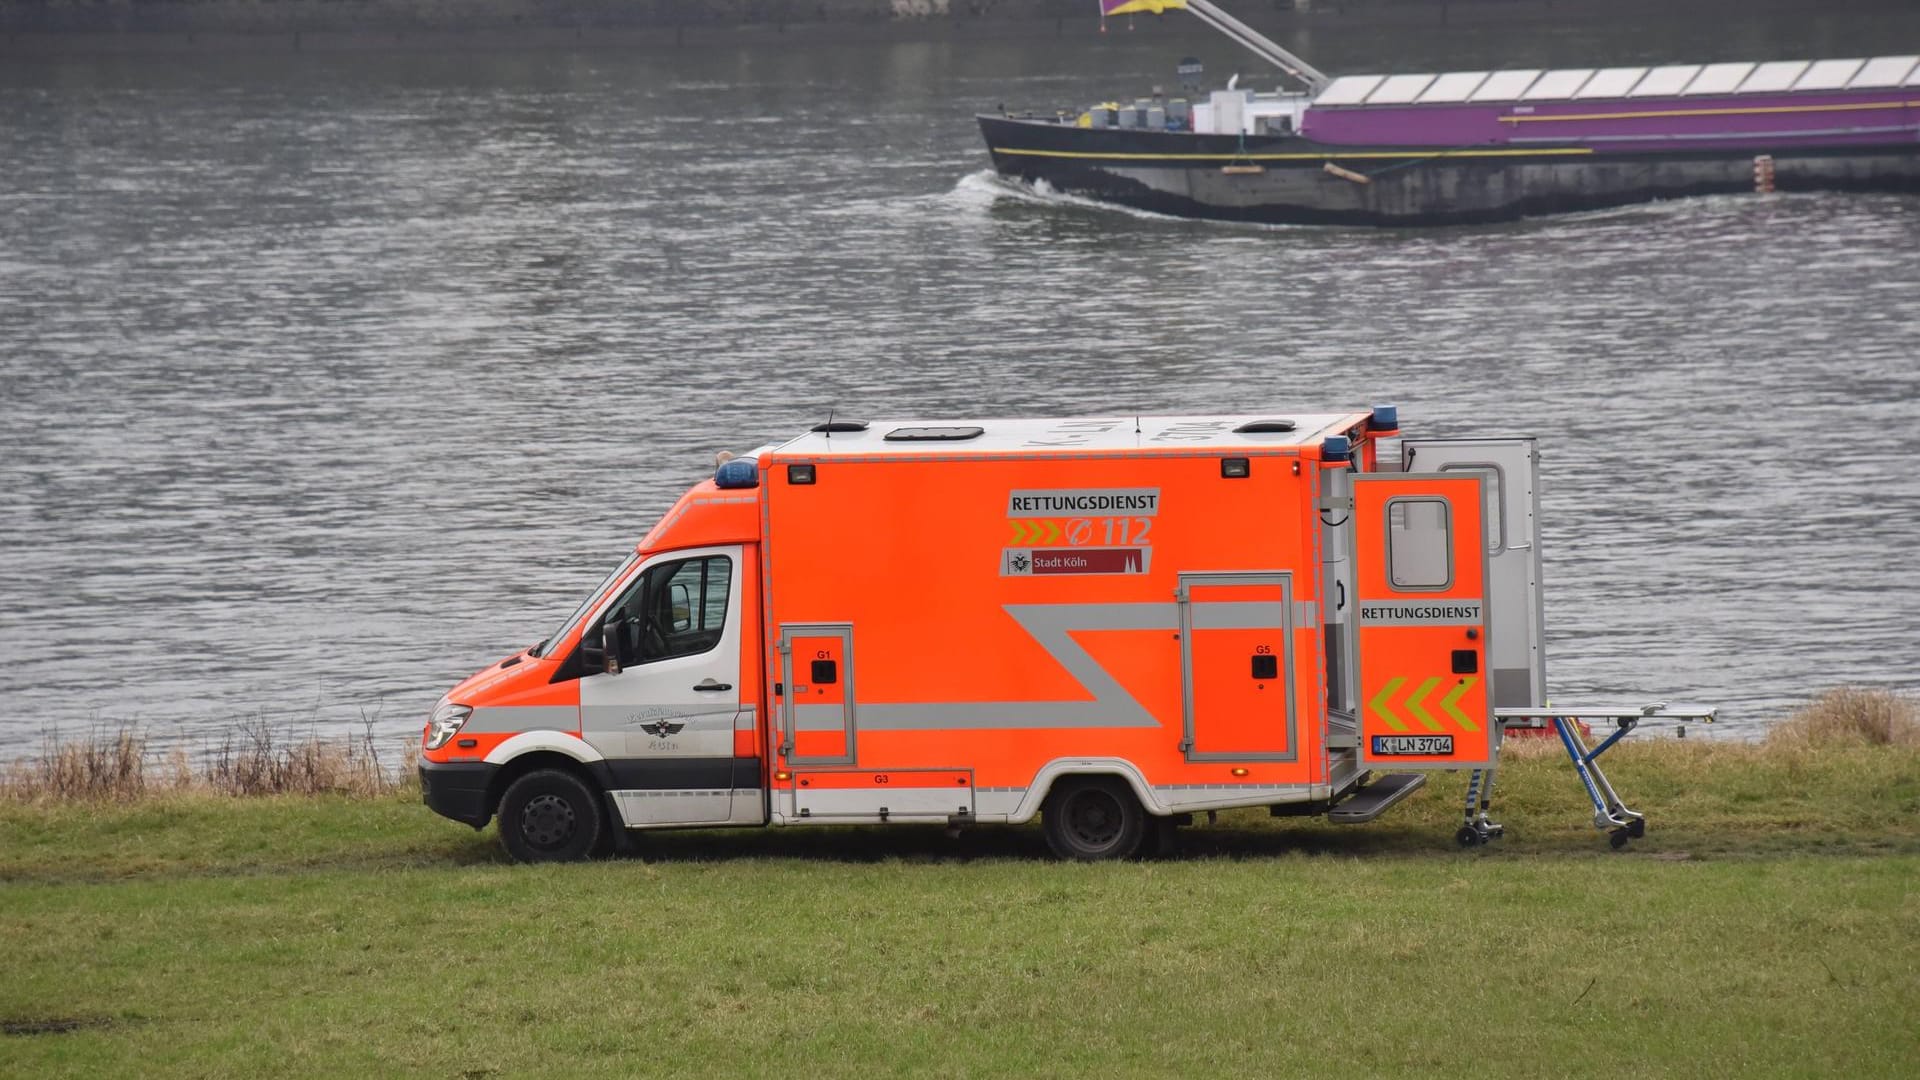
{"x":1288,"y":180}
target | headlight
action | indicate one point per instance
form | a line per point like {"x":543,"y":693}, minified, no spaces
{"x":445,"y":724}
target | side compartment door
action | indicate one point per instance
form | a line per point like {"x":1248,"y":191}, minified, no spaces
{"x":1236,"y":666}
{"x":817,"y":710}
{"x":1516,"y":649}
{"x":1421,"y":573}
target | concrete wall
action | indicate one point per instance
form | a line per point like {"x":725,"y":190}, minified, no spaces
{"x":256,"y":16}
{"x":648,"y":18}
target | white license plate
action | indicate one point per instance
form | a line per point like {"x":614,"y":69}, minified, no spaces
{"x":1412,"y":745}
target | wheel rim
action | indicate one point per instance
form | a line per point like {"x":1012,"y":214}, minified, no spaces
{"x":547,"y":822}
{"x":1095,"y":818}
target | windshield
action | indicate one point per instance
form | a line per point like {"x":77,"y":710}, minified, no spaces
{"x":598,"y":590}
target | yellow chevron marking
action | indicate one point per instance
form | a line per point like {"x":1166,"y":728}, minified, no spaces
{"x":1030,"y":531}
{"x":1448,"y":706}
{"x":1753,"y":110}
{"x":1419,"y":710}
{"x":1437,"y":152}
{"x":1382,"y":704}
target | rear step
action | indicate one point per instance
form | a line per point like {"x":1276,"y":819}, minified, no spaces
{"x":1374,"y":799}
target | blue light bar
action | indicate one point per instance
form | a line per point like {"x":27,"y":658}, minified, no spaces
{"x":737,"y":473}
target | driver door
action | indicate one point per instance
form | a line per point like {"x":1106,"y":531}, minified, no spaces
{"x":665,"y":722}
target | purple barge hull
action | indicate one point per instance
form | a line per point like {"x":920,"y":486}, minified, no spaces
{"x":1425,"y":150}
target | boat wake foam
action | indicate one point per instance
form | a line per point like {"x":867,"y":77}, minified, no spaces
{"x":985,"y":187}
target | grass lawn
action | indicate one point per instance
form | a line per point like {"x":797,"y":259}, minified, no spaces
{"x":1768,"y":924}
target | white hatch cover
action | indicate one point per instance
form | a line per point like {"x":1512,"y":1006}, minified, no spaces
{"x":1453,"y":86}
{"x":1665,"y":81}
{"x":1349,"y":90}
{"x":1557,"y":85}
{"x":1719,"y":78}
{"x":1774,"y":76}
{"x":1829,"y":74}
{"x":1399,"y":89}
{"x":1611,"y":82}
{"x":1505,"y":85}
{"x":1885,"y":71}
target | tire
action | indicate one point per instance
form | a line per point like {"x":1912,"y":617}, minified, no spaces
{"x":551,"y":816}
{"x":1093,"y":819}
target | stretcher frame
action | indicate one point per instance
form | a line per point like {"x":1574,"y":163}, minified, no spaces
{"x":1610,"y":813}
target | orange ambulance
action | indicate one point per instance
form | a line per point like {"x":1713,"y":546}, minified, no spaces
{"x":1112,"y":623}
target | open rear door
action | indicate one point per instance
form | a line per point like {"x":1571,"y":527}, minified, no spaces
{"x":1509,"y":468}
{"x":1420,"y":552}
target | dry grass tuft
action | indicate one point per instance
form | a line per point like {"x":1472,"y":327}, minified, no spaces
{"x":251,"y":759}
{"x":104,"y":766}
{"x":1850,"y":716}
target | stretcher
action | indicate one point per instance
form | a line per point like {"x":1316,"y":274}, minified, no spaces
{"x":1610,"y":813}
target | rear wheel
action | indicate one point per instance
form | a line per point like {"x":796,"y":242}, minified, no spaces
{"x":551,"y":816}
{"x":1093,"y":819}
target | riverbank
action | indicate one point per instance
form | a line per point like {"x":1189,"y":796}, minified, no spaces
{"x":187,"y":934}
{"x":1703,"y":800}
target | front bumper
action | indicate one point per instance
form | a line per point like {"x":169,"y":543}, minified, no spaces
{"x":458,"y":790}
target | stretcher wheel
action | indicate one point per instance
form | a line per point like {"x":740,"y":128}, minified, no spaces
{"x":1468,"y":836}
{"x":1637,"y":828}
{"x":1617,"y":839}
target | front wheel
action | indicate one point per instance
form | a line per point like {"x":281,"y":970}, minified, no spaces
{"x":551,"y":816}
{"x":1092,"y":819}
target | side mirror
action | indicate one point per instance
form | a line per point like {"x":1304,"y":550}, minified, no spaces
{"x":593,"y":649}
{"x":613,"y":654}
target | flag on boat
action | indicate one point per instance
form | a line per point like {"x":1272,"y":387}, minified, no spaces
{"x":1128,"y":7}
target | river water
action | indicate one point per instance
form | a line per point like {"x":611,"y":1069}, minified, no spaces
{"x":327,"y":379}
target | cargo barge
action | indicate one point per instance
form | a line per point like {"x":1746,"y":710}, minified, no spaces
{"x":1439,"y":148}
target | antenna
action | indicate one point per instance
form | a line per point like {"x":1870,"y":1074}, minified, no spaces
{"x":829,"y":430}
{"x":1136,"y":424}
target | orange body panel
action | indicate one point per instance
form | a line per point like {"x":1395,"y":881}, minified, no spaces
{"x":519,"y":681}
{"x":919,"y":557}
{"x":706,"y":515}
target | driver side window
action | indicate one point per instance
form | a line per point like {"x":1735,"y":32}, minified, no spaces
{"x":674,"y":609}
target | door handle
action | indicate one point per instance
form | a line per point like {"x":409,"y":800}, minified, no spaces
{"x":709,"y":684}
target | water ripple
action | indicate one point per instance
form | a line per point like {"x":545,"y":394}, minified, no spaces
{"x":333,"y":385}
